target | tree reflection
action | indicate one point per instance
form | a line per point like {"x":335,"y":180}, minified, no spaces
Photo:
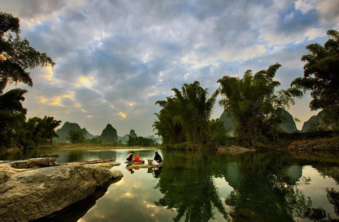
{"x":333,"y":197}
{"x":188,"y":187}
{"x":264,"y":187}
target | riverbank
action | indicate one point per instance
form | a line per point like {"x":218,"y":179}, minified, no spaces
{"x":81,"y":146}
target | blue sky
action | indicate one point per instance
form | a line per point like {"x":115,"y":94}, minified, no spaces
{"x":116,"y":58}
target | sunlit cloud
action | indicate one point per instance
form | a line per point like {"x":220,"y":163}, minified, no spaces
{"x":49,"y":73}
{"x":56,"y":101}
{"x":85,"y":81}
{"x":123,"y":115}
{"x":43,"y":99}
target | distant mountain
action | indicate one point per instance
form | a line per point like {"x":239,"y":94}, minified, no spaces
{"x":288,"y":126}
{"x":124,"y":139}
{"x":158,"y":140}
{"x":109,"y":135}
{"x":228,"y":122}
{"x":308,"y":123}
{"x":132,"y":133}
{"x":317,"y":121}
{"x":63,"y":131}
{"x":88,"y":135}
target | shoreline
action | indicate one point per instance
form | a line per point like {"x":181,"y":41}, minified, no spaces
{"x":82,"y":147}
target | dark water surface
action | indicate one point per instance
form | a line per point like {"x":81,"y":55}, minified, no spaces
{"x":198,"y":186}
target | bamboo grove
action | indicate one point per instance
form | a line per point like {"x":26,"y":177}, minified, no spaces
{"x":252,"y":102}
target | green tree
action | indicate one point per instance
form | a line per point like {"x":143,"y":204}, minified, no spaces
{"x":321,"y":77}
{"x":255,"y":106}
{"x":76,"y":136}
{"x":12,"y":116}
{"x":36,"y":132}
{"x":140,"y":141}
{"x":16,"y":55}
{"x":48,"y":124}
{"x":217,"y":132}
{"x":184,"y":118}
{"x":16,"y":58}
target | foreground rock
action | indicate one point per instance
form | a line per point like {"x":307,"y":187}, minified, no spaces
{"x":28,"y":195}
{"x":34,"y":162}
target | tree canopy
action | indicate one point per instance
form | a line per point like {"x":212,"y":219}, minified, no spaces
{"x":16,"y":55}
{"x":321,"y":77}
{"x":254,"y":105}
{"x":184,"y":118}
{"x":76,"y":136}
{"x":16,"y":58}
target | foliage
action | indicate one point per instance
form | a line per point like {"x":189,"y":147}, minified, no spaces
{"x":76,"y":136}
{"x":188,"y":187}
{"x":217,"y":132}
{"x":94,"y":140}
{"x":16,"y":57}
{"x":254,"y":105}
{"x":12,"y":115}
{"x":140,"y":141}
{"x":321,"y":77}
{"x":36,"y":132}
{"x":184,"y":118}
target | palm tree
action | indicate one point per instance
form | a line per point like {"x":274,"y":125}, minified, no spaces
{"x":254,"y":105}
{"x":184,"y":117}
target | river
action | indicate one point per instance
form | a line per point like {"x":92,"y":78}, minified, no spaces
{"x":205,"y":186}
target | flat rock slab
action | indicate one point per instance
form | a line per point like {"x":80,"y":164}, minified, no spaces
{"x":34,"y":162}
{"x":111,"y":164}
{"x":32,"y":194}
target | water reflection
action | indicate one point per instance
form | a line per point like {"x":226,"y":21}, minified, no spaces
{"x":197,"y":186}
{"x":265,"y":187}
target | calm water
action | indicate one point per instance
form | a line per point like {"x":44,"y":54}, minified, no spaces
{"x":197,"y":186}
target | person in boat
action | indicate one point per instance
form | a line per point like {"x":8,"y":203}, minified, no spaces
{"x":129,"y":157}
{"x":157,"y":159}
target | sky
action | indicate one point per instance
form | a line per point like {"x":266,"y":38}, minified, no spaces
{"x":116,"y":58}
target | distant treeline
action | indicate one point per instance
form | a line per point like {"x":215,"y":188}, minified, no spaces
{"x":78,"y":136}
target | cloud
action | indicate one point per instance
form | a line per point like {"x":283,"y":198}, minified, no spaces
{"x":115,"y":58}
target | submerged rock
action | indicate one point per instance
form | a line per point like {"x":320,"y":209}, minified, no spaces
{"x":32,"y":194}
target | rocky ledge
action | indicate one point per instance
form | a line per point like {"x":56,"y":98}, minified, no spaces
{"x":30,"y":194}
